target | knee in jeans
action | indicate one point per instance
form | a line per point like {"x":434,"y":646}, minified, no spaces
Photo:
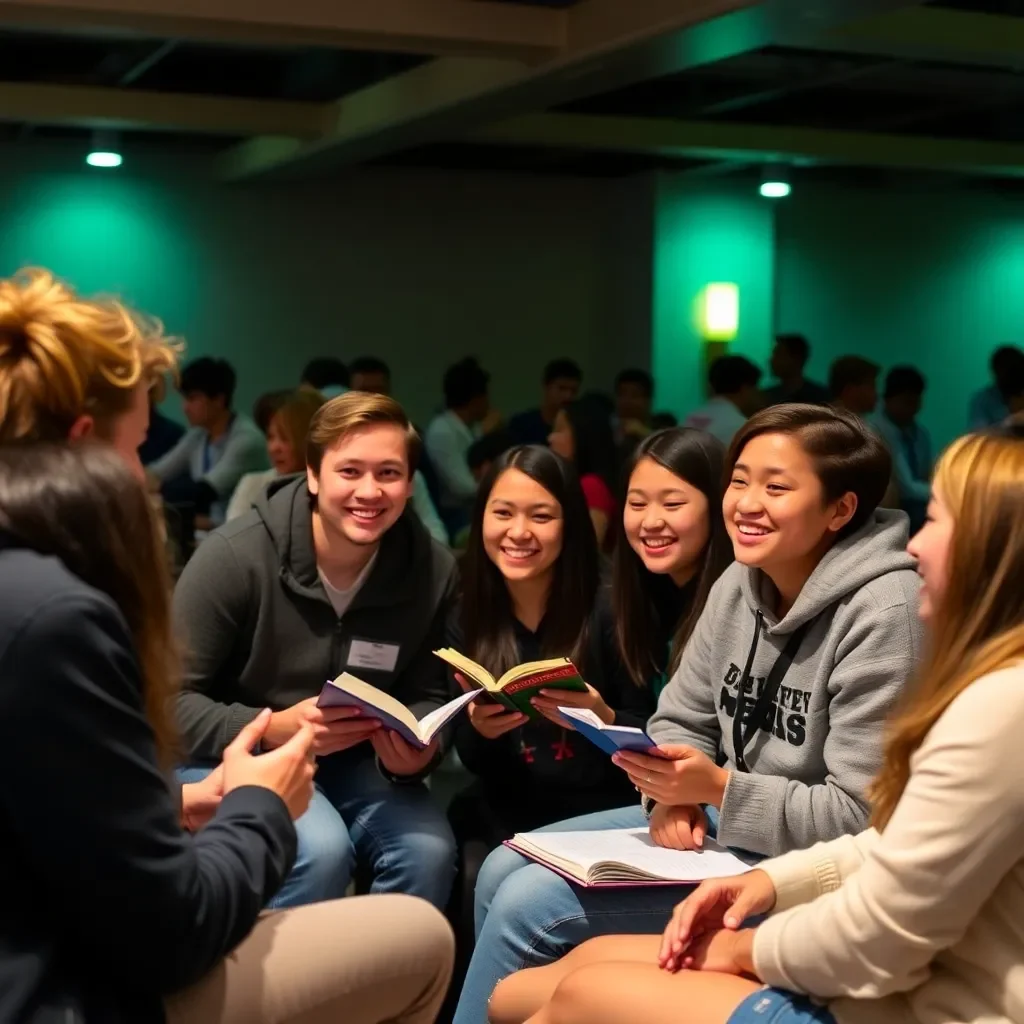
{"x":495,"y":870}
{"x":521,"y":902}
{"x":325,"y":862}
{"x":430,"y":853}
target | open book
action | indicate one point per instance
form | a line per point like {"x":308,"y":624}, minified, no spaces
{"x":348,"y":691}
{"x":608,"y":737}
{"x":624,"y":857}
{"x":518,"y":685}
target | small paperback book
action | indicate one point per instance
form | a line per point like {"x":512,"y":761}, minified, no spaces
{"x":518,"y":685}
{"x":624,"y":857}
{"x":609,"y":738}
{"x":348,"y":691}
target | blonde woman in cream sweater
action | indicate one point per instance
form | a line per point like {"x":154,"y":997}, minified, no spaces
{"x":918,"y":920}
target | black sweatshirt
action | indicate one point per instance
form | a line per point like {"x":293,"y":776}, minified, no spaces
{"x":555,"y":771}
{"x":109,"y":904}
{"x":260,"y":631}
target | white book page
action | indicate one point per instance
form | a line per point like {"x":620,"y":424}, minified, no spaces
{"x":431,"y":724}
{"x":634,"y":848}
{"x":588,"y":717}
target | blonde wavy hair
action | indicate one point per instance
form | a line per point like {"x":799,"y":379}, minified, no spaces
{"x":63,"y":357}
{"x":978,"y":624}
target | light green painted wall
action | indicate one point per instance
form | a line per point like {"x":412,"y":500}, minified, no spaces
{"x":932,"y":278}
{"x":703,"y":233}
{"x":420,"y":268}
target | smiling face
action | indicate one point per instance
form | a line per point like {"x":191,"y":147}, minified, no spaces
{"x":666,"y":520}
{"x":775,"y":508}
{"x":522,"y":527}
{"x":931,"y":546}
{"x":363,"y":483}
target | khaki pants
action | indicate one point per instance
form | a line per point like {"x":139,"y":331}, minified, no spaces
{"x":364,"y":960}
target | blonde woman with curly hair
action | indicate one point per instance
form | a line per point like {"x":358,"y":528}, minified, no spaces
{"x":919,"y":919}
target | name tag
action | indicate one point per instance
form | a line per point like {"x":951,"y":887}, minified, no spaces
{"x":372,"y":655}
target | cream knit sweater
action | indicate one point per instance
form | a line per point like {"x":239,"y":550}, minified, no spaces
{"x":923,"y":923}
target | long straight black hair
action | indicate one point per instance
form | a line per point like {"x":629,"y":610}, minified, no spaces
{"x":488,"y":624}
{"x":593,"y":440}
{"x":638,"y":595}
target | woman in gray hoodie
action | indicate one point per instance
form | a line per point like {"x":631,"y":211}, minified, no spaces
{"x":771,"y":728}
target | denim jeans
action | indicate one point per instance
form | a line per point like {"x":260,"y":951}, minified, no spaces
{"x":527,"y":915}
{"x":396,"y":831}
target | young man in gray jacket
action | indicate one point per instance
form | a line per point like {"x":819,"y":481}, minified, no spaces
{"x":772,"y":726}
{"x":329,"y":573}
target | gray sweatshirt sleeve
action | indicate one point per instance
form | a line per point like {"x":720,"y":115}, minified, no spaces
{"x":686,"y":709}
{"x":210,"y":606}
{"x":770,"y":814}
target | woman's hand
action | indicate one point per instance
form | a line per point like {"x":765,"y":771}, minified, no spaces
{"x":398,"y":756}
{"x":200,"y":800}
{"x":490,"y":720}
{"x":549,"y":701}
{"x":715,"y":904}
{"x":722,"y":952}
{"x":675,"y":775}
{"x":678,"y":828}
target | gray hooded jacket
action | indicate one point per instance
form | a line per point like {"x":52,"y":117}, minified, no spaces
{"x":820,"y":744}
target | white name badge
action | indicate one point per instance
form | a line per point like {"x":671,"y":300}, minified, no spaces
{"x":372,"y":655}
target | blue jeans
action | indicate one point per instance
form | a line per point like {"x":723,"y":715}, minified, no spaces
{"x":527,"y":915}
{"x":774,"y":1006}
{"x":396,"y":831}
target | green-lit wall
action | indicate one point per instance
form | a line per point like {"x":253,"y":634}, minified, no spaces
{"x":420,"y":268}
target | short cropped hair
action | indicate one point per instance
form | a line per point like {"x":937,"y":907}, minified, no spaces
{"x":562,"y":369}
{"x":351,"y":412}
{"x":464,"y":381}
{"x":214,"y":378}
{"x":641,"y":378}
{"x":797,"y":346}
{"x":847,"y":454}
{"x":904,"y":380}
{"x":850,"y":372}
{"x":729,"y":374}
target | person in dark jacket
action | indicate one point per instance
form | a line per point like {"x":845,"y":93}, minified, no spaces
{"x":330,"y":573}
{"x":118,"y":914}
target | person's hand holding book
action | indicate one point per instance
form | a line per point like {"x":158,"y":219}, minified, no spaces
{"x":675,"y":774}
{"x":333,"y":729}
{"x":490,"y":720}
{"x":399,"y":757}
{"x":549,"y":701}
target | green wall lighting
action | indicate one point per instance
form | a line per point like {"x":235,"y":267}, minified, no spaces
{"x":103,"y":158}
{"x":720,"y":311}
{"x":775,"y":183}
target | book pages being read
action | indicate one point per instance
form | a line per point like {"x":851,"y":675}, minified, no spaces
{"x":518,"y":686}
{"x":348,"y":691}
{"x":624,"y":857}
{"x":609,"y":738}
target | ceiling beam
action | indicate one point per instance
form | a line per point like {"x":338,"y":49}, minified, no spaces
{"x":609,"y":44}
{"x":98,"y":107}
{"x":932,"y":33}
{"x":756,"y":143}
{"x":437,"y":27}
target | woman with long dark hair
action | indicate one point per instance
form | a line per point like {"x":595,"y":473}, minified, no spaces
{"x":582,"y":434}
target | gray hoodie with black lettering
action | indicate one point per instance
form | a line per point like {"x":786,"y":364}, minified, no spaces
{"x":819,"y":743}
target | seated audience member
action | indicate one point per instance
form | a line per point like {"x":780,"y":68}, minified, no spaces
{"x":286,"y":433}
{"x":991,"y":405}
{"x":664,"y":420}
{"x":485,"y":450}
{"x":82,"y":609}
{"x":467,"y":414}
{"x":583,"y":435}
{"x":561,"y":385}
{"x":634,"y":393}
{"x":853,"y":384}
{"x":821,"y":601}
{"x":374,"y":376}
{"x":221,"y":447}
{"x":734,"y":397}
{"x":916,"y":920}
{"x":164,"y":433}
{"x":368,"y":373}
{"x":327,"y":575}
{"x":327,"y":375}
{"x":908,"y":441}
{"x":789,"y":357}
